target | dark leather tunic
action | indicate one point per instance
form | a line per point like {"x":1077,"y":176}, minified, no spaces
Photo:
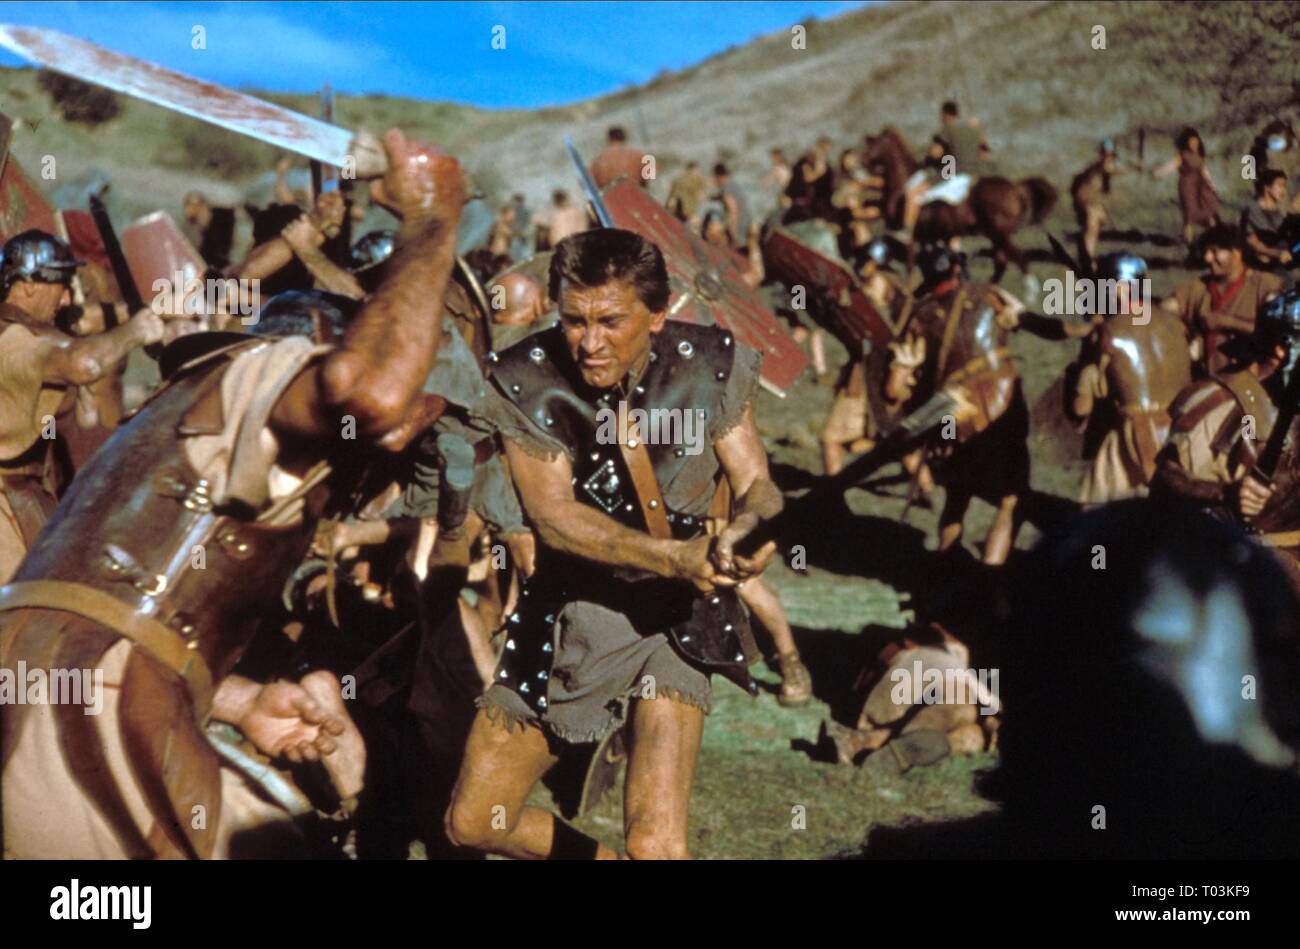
{"x":688,"y":372}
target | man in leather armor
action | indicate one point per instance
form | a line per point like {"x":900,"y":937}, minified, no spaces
{"x":1128,"y":371}
{"x":957,"y":339}
{"x":179,"y":536}
{"x":632,"y":605}
{"x":40,"y":370}
{"x":1220,"y":426}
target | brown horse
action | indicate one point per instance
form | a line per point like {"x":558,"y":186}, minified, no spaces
{"x":996,"y":207}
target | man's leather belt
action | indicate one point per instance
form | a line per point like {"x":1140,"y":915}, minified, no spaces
{"x":161,"y":642}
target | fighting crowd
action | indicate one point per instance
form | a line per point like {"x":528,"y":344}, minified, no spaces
{"x":359,"y":564}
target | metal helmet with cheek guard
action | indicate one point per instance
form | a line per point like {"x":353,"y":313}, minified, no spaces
{"x":879,"y":251}
{"x":36,"y":255}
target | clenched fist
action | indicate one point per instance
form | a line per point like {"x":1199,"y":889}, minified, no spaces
{"x":421,"y":180}
{"x":1252,"y":497}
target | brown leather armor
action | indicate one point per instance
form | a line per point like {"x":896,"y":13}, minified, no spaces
{"x":137,"y":550}
{"x":966,"y":343}
{"x":138,"y":517}
{"x":1147,"y":366}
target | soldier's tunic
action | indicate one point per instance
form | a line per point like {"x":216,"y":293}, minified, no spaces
{"x":1217,"y":312}
{"x":28,"y":476}
{"x":966,"y":333}
{"x":1210,"y":447}
{"x":1130,"y":372}
{"x":112,"y":582}
{"x":586,"y":636}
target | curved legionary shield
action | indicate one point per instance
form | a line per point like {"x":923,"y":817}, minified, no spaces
{"x":838,"y":303}
{"x":707,"y":284}
{"x":156,"y":250}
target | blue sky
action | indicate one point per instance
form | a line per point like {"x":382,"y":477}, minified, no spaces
{"x":555,"y":52}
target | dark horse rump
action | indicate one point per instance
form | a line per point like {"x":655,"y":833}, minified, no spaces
{"x":996,"y":206}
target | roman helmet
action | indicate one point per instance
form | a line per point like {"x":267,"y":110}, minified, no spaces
{"x":938,"y":262}
{"x":371,"y":251}
{"x":316,"y":313}
{"x":1121,"y":265}
{"x":36,"y":255}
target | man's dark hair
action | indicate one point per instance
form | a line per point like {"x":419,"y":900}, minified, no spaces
{"x":949,"y":108}
{"x":560,"y":197}
{"x":720,"y":169}
{"x":692,"y":165}
{"x":517,"y":198}
{"x":1223,"y":237}
{"x":594,"y":258}
{"x":1266,"y":180}
{"x":617,"y":133}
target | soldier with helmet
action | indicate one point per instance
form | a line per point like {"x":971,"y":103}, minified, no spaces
{"x":40,"y":368}
{"x":1090,"y":188}
{"x":229,"y":467}
{"x":850,"y":422}
{"x":1129,"y":370}
{"x":1221,"y":425}
{"x":957,"y":338}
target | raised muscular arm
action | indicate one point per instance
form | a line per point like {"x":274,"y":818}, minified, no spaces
{"x":305,"y":240}
{"x":376,"y":373}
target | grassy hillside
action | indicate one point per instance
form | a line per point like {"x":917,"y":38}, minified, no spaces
{"x":1043,"y":94}
{"x":1045,"y":98}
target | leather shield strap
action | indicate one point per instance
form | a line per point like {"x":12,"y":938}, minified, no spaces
{"x":163,"y":644}
{"x":644,"y":483}
{"x":949,"y":332}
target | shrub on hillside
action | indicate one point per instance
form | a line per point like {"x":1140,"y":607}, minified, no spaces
{"x":79,"y":101}
{"x":193,"y":145}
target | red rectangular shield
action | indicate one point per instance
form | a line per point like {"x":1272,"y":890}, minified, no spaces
{"x":156,"y":250}
{"x":707,"y":285}
{"x":841,"y":305}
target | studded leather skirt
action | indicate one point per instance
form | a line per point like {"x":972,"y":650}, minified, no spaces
{"x":600,"y":663}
